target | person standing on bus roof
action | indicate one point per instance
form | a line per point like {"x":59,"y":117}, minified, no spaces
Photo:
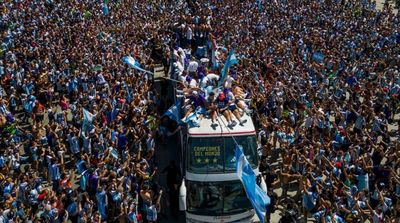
{"x":212,"y":108}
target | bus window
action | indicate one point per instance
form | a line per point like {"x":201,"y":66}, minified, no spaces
{"x":249,"y":145}
{"x":205,"y":198}
{"x":235,"y":199}
{"x":217,"y":154}
{"x":217,"y":198}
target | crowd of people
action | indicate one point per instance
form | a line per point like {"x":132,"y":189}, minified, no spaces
{"x":323,"y":79}
{"x":79,"y":126}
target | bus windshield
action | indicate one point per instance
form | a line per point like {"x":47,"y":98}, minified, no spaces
{"x":217,"y":154}
{"x":217,"y":198}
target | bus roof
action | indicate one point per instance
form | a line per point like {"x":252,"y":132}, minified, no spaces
{"x":205,"y":129}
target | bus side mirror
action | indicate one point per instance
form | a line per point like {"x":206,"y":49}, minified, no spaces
{"x":182,"y":196}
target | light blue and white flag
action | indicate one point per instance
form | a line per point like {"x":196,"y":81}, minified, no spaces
{"x":260,"y":5}
{"x":87,"y":116}
{"x":134,"y":64}
{"x":129,"y":94}
{"x":318,"y":57}
{"x":106,"y":10}
{"x":258,"y":198}
{"x":87,"y":121}
{"x":173,"y":112}
{"x":114,"y":153}
{"x":231,"y":60}
{"x":193,"y":119}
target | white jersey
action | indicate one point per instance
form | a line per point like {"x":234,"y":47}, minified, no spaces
{"x":189,"y":33}
{"x":212,"y":77}
{"x":193,"y":83}
{"x":204,"y":82}
{"x":193,"y":65}
{"x":179,"y":68}
{"x":228,"y":82}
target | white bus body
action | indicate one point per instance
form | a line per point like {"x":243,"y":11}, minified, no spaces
{"x":211,"y":189}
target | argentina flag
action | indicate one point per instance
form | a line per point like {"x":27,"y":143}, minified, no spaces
{"x":134,"y":64}
{"x":318,"y":57}
{"x":260,"y":5}
{"x":106,"y":10}
{"x":193,"y":119}
{"x":87,"y":116}
{"x":87,"y":120}
{"x":173,"y":112}
{"x":258,"y":198}
{"x":231,"y":60}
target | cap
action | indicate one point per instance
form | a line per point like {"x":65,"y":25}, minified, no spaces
{"x":221,"y":96}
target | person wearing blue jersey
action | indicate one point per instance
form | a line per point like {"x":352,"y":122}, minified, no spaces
{"x":222,"y":103}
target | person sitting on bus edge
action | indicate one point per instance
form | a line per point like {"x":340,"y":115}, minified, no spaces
{"x":241,"y":97}
{"x":232,"y":86}
{"x":212,"y":108}
{"x":233,"y":108}
{"x":222,"y":108}
{"x":195,"y":100}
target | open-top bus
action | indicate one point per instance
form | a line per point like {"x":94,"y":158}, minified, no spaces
{"x":211,"y":190}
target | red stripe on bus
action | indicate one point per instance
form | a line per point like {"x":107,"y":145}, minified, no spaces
{"x":230,"y":133}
